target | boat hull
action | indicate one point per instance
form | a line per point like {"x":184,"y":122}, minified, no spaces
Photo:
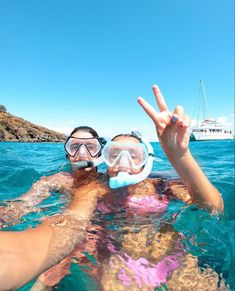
{"x":206,"y":136}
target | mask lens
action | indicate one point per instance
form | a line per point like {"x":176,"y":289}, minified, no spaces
{"x":92,"y":146}
{"x":136,"y":153}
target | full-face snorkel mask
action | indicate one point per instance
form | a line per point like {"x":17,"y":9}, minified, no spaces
{"x":92,"y":146}
{"x":138,"y":155}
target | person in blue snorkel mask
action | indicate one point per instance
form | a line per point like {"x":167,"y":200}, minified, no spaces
{"x":148,"y":257}
{"x":129,"y":158}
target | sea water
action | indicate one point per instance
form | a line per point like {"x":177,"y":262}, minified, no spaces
{"x":210,"y":238}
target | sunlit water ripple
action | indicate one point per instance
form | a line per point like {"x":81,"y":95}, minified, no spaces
{"x":210,"y":238}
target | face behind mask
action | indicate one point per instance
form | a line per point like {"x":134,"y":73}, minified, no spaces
{"x":86,"y":150}
{"x":139,"y":156}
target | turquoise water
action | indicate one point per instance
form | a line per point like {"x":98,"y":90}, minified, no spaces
{"x":211,"y":238}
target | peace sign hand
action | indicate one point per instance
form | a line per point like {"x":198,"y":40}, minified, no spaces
{"x":172,"y":128}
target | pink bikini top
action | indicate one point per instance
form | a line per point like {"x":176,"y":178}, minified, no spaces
{"x":155,"y":203}
{"x":148,"y":204}
{"x":140,"y":204}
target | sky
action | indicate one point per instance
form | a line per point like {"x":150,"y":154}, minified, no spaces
{"x":69,"y":63}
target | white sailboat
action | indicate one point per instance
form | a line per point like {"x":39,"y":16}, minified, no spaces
{"x":208,"y":128}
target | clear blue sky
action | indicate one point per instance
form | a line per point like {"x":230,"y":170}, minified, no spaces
{"x":73,"y":62}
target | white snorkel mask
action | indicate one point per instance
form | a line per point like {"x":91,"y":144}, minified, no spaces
{"x":111,"y":155}
{"x":91,"y":146}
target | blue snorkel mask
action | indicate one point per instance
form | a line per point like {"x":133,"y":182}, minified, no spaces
{"x":138,"y":155}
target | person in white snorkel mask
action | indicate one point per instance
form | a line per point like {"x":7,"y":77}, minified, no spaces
{"x":129,"y":158}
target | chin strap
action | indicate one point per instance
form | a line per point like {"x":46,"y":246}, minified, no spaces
{"x":124,"y":179}
{"x":86,"y":164}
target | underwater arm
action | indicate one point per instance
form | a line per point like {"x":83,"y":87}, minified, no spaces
{"x":26,"y":254}
{"x":173,"y":134}
{"x":14,"y":209}
{"x":42,"y":189}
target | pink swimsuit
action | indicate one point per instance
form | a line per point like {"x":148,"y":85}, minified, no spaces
{"x":143,"y":271}
{"x":146,"y":204}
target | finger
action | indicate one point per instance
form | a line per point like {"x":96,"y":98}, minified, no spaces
{"x":179,"y":121}
{"x":187,"y":119}
{"x":179,"y":110}
{"x":182,"y":124}
{"x":159,"y":98}
{"x":152,"y":113}
{"x":183,"y":120}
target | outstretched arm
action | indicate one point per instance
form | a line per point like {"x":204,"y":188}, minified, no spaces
{"x":173,"y":134}
{"x":26,"y":254}
{"x":40,"y":190}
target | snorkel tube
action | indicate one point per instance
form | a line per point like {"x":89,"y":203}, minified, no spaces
{"x":124,"y":179}
{"x":86,"y":164}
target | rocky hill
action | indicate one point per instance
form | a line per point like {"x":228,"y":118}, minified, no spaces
{"x":13,"y":128}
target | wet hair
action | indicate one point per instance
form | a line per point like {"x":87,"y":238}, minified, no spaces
{"x":85,"y":129}
{"x":126,"y":135}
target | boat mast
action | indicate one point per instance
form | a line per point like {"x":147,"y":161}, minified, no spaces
{"x":198,"y":110}
{"x":205,"y":101}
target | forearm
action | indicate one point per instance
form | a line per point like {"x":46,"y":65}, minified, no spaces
{"x":200,"y":189}
{"x":26,"y":254}
{"x":70,"y":228}
{"x":42,"y":189}
{"x":15,"y":209}
{"x":22,"y":255}
{"x":35,"y":195}
{"x":29,"y":253}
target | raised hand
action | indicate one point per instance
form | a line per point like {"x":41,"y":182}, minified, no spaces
{"x":172,"y":127}
{"x":172,"y":130}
